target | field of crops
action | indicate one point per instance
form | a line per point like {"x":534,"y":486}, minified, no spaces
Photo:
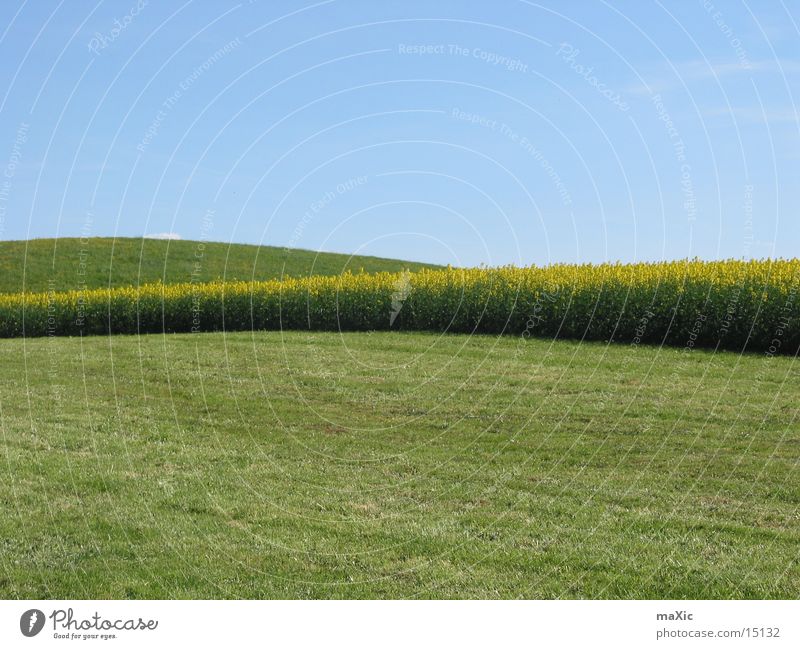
{"x":734,"y":305}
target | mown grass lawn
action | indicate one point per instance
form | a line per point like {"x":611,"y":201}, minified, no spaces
{"x":322,"y":465}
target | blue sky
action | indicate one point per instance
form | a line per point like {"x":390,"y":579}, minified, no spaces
{"x":454,"y":132}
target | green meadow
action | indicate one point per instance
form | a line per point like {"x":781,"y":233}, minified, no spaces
{"x":405,"y":465}
{"x":67,"y":264}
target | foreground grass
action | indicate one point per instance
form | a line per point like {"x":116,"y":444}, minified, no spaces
{"x":394,"y":465}
{"x":97,"y":262}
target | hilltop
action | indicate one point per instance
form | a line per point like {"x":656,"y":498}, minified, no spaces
{"x":73,"y":263}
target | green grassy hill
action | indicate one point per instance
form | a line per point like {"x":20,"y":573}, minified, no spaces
{"x":101,"y":262}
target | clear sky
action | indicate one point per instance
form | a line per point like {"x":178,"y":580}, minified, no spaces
{"x":458,"y":132}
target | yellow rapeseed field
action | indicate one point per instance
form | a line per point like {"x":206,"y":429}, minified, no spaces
{"x":727,"y":304}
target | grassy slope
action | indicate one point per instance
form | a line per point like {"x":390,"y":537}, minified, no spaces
{"x":394,"y":465}
{"x":139,"y":261}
